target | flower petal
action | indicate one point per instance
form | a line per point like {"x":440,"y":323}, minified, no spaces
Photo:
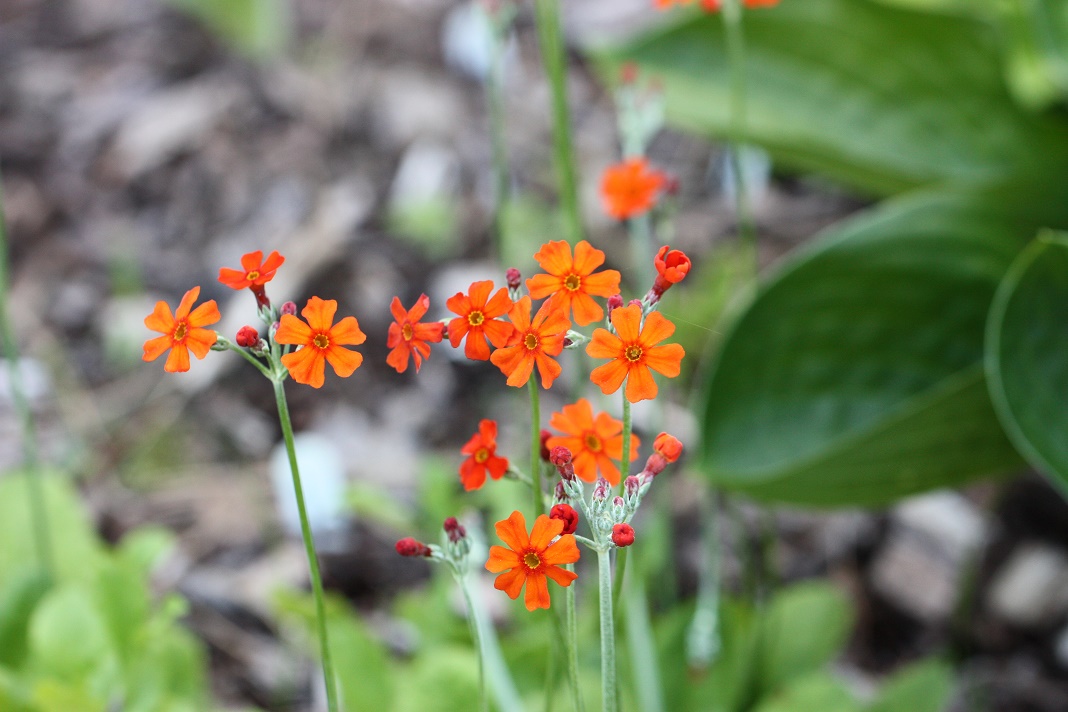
{"x":560,"y":576}
{"x":344,"y":361}
{"x":587,"y":259}
{"x":498,"y":305}
{"x":627,"y":321}
{"x":397,"y":310}
{"x":187,"y":302}
{"x":604,"y":344}
{"x":666,"y":359}
{"x":501,"y":559}
{"x":319,"y":313}
{"x":609,"y":377}
{"x":307,"y":366}
{"x":347,"y":332}
{"x":200,"y":341}
{"x":656,"y":329}
{"x":207,"y":313}
{"x":602,"y":284}
{"x":564,"y":551}
{"x":161,"y":319}
{"x":511,"y":582}
{"x":252,"y":260}
{"x":585,"y":309}
{"x":640,"y":385}
{"x":472,"y":474}
{"x":537,"y":595}
{"x":271,"y":265}
{"x":513,"y":531}
{"x":154,"y":348}
{"x":544,"y":531}
{"x":555,"y":258}
{"x":398,"y":357}
{"x":178,"y":361}
{"x":292,"y":330}
{"x":542,"y":285}
{"x":549,"y":370}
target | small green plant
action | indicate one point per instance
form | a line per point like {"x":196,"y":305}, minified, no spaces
{"x":92,"y":637}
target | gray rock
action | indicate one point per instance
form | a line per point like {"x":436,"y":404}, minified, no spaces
{"x":1031,"y":588}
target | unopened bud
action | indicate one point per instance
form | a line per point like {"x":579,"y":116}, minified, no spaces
{"x":631,"y":485}
{"x":601,"y":489}
{"x":560,"y":492}
{"x":289,"y":308}
{"x":454,"y":530}
{"x":545,"y":435}
{"x":567,"y":514}
{"x":614,"y":302}
{"x":247,"y":337}
{"x":622,"y":535}
{"x":561,"y":458}
{"x":514,"y":278}
{"x":668,"y":446}
{"x":412,"y":547}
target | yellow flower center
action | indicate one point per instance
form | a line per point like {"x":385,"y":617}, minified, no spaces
{"x":593,"y":443}
{"x":252,"y":276}
{"x":321,"y":340}
{"x":476,"y":318}
{"x":531,"y":560}
{"x":180,"y":331}
{"x":634,"y":353}
{"x":481,"y":455}
{"x":531,"y":342}
{"x":573,"y":282}
{"x":407,"y":332}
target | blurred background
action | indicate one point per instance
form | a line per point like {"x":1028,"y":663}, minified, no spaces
{"x":145,"y":144}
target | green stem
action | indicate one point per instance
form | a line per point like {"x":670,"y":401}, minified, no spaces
{"x":535,"y":446}
{"x":476,"y":637}
{"x":250,"y":358}
{"x":732,"y":20}
{"x":621,"y":570}
{"x":501,"y":684}
{"x":495,"y":100}
{"x":309,"y":547}
{"x":572,"y":644}
{"x":610,"y":702}
{"x":554,"y":59}
{"x":34,"y":482}
{"x":624,"y":458}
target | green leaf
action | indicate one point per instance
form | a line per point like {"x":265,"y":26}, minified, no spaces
{"x":818,"y":692}
{"x":1027,"y":354}
{"x":881,"y":98}
{"x":68,"y":636}
{"x":856,"y":376}
{"x":805,"y":627}
{"x":19,"y":595}
{"x":923,"y":687}
{"x":75,"y":548}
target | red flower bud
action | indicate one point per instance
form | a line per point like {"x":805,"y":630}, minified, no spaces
{"x":668,"y":446}
{"x":601,"y":488}
{"x":561,"y":457}
{"x":631,"y":485}
{"x":454,"y":530}
{"x":567,"y":514}
{"x":614,"y":302}
{"x":513,"y":278}
{"x":545,"y":435}
{"x":412,"y":547}
{"x":622,"y":535}
{"x":247,"y":337}
{"x":289,"y":308}
{"x":672,"y":266}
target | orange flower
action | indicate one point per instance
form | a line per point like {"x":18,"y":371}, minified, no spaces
{"x":668,"y":447}
{"x":630,"y":188}
{"x":634,"y":352}
{"x":571,"y":281}
{"x":531,"y":560}
{"x":408,"y":337}
{"x":478,"y":319}
{"x":255,"y":271}
{"x":321,"y":341}
{"x":181,"y":331}
{"x":533,"y":342}
{"x":482,"y":447}
{"x":596,"y":444}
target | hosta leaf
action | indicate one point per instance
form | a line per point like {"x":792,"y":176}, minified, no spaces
{"x":1027,"y":354}
{"x":856,"y":375}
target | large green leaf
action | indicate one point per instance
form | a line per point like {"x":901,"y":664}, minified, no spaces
{"x":1027,"y":354}
{"x":880,"y":97}
{"x":805,"y":627}
{"x":856,"y":375}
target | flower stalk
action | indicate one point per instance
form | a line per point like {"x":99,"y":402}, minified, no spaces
{"x":309,"y":543}
{"x":34,"y":484}
{"x":554,"y":59}
{"x":609,"y":697}
{"x":535,"y":447}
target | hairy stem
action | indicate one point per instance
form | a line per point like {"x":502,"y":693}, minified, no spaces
{"x":309,"y":547}
{"x":610,"y":701}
